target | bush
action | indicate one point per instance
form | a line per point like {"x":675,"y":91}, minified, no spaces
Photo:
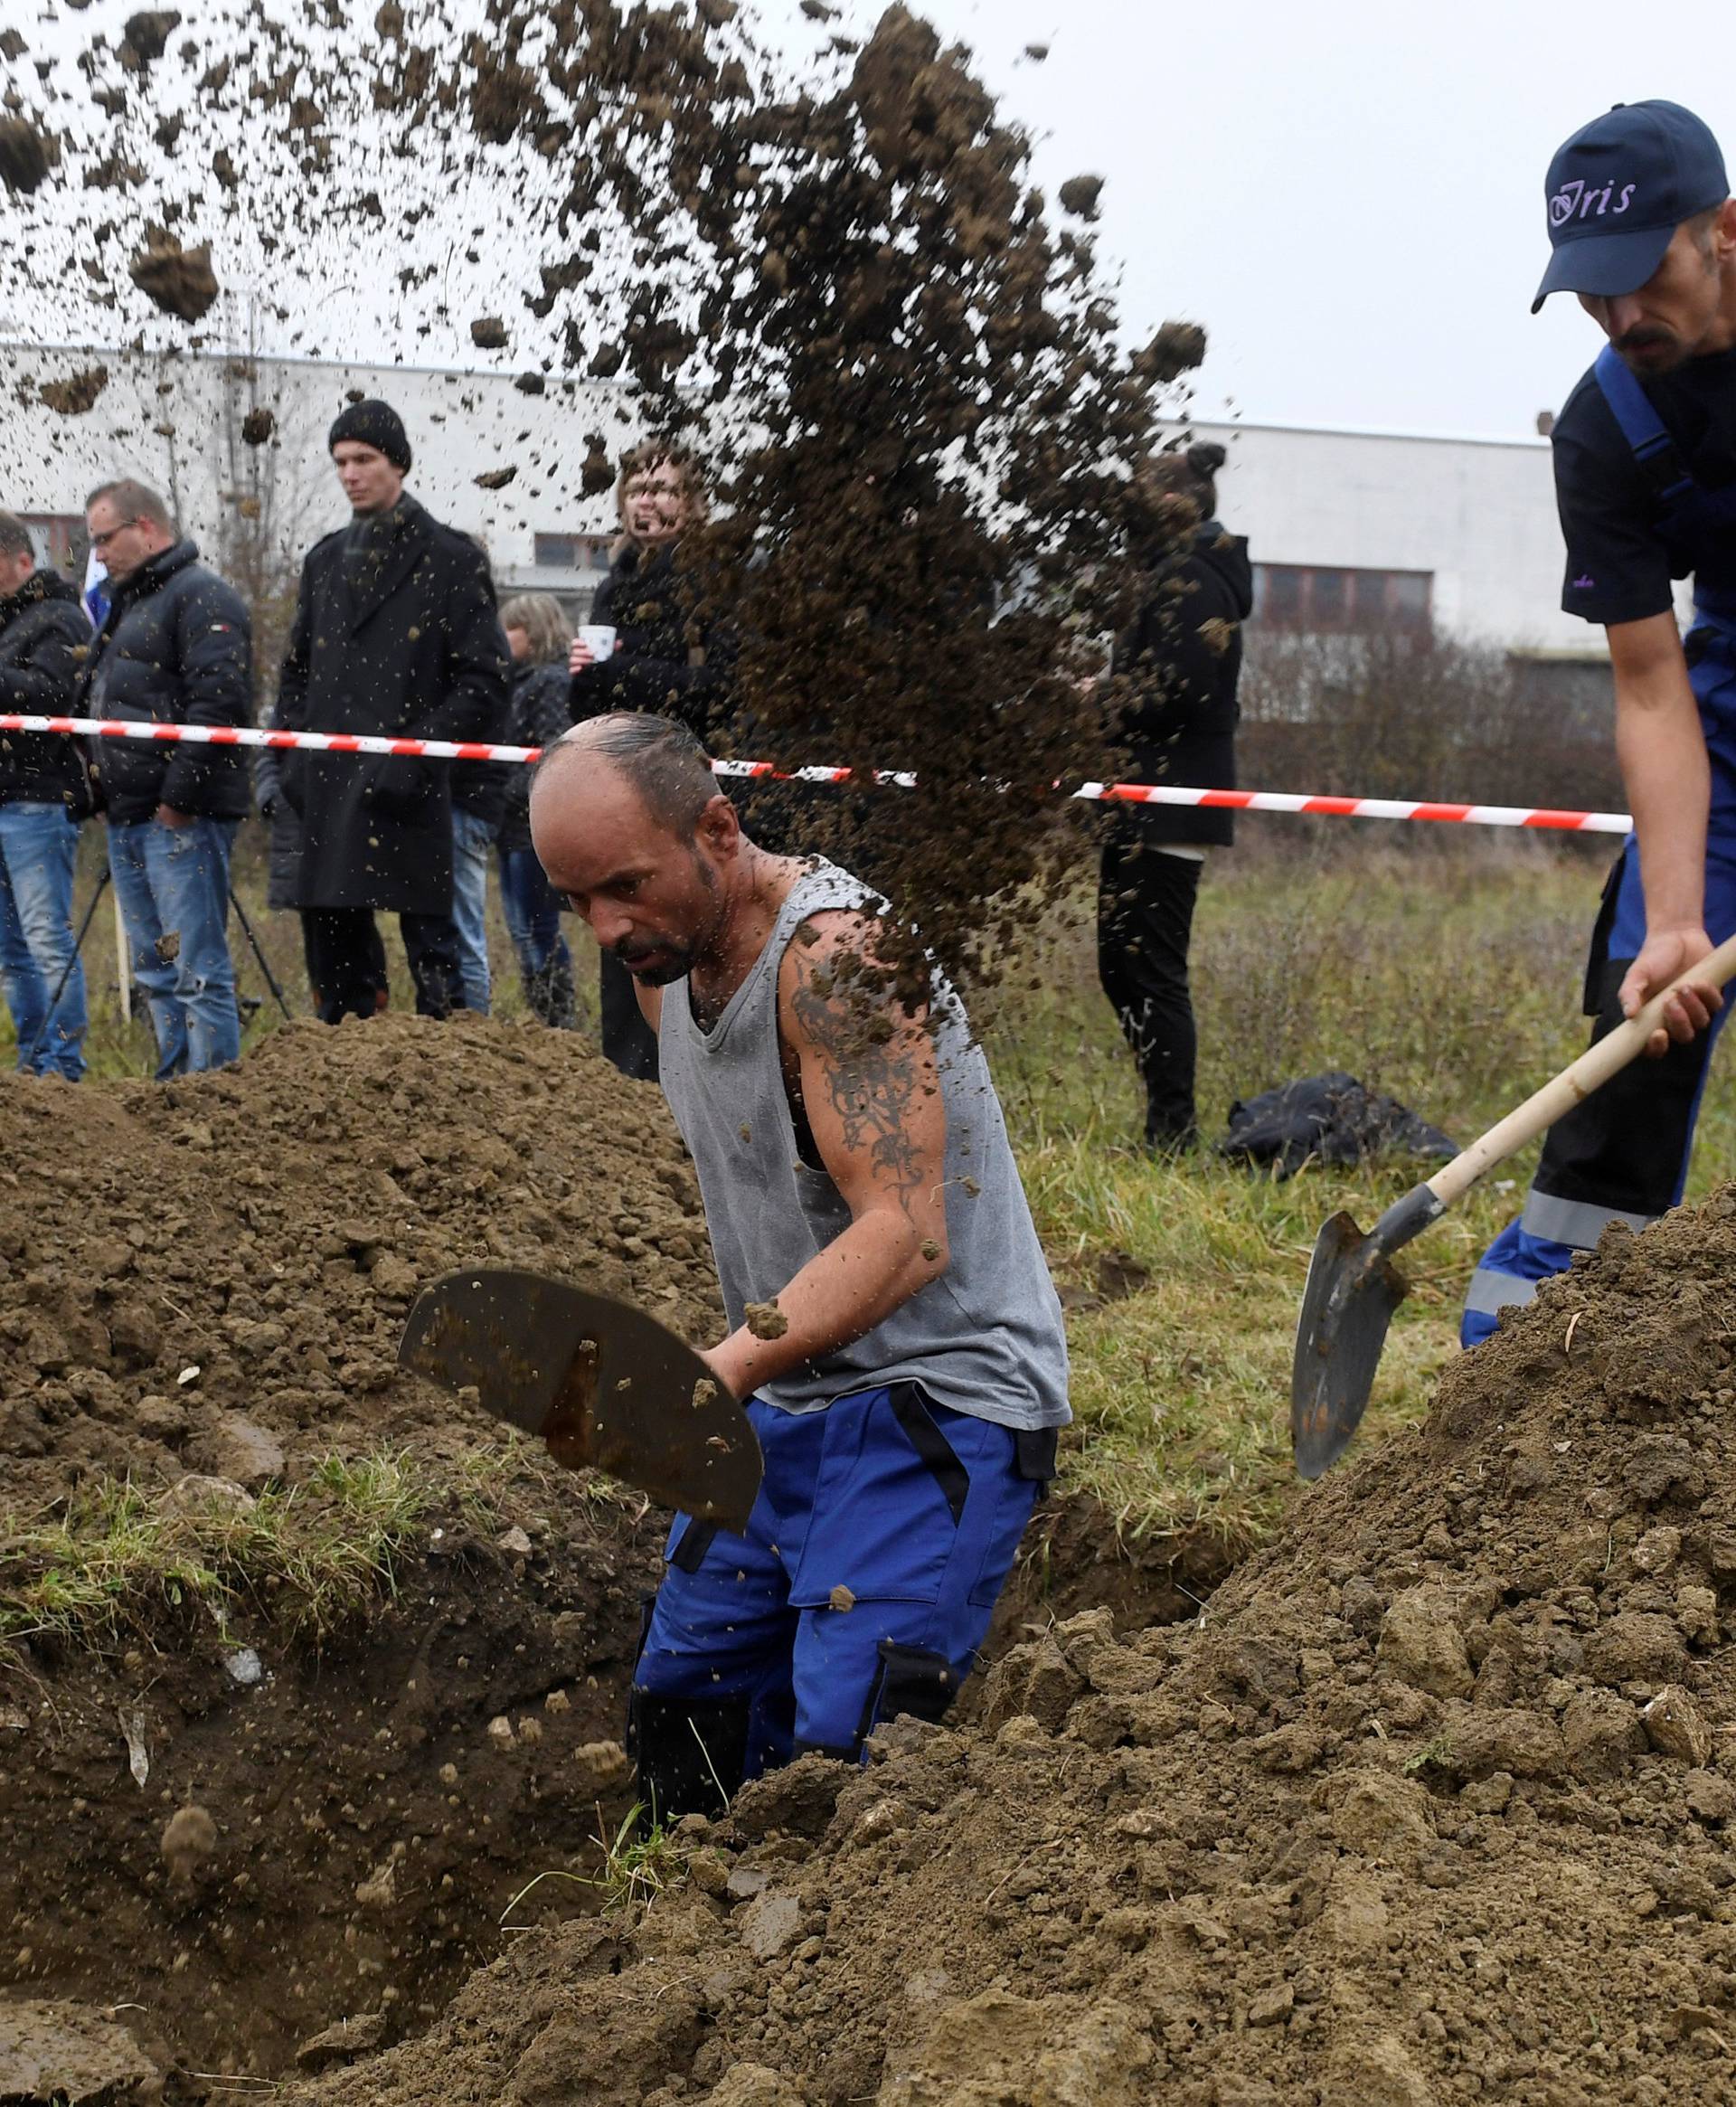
{"x":1398,"y":713}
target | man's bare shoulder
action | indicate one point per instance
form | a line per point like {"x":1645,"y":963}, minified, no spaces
{"x":841,"y":991}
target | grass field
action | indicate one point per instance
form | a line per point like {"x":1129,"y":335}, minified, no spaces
{"x":1445,"y":970}
{"x":1448,"y":972}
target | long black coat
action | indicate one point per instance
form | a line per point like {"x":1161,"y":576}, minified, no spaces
{"x":422,"y":655}
{"x":43,"y":635}
{"x":1182,"y":662}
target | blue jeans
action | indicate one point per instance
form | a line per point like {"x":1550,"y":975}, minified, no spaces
{"x":173,"y":882}
{"x":533,"y":911}
{"x":862,"y":1587}
{"x":472,"y":839}
{"x":38,"y":843}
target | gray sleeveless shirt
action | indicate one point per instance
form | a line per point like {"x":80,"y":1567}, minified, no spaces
{"x":987,"y":1336}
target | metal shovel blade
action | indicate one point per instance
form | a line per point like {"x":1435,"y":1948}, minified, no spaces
{"x":601,"y":1382}
{"x":1347,"y":1307}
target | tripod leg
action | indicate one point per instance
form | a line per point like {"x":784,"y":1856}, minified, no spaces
{"x":66,"y":974}
{"x":264,"y":968}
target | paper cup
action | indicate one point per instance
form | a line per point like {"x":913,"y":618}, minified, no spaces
{"x":599,"y":639}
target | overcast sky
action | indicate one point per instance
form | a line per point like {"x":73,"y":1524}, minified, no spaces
{"x":1347,"y":193}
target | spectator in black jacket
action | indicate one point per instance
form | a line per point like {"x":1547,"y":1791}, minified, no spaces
{"x":673,"y":657}
{"x":44,"y":792}
{"x":538,"y":636}
{"x":176,"y":648}
{"x":1175,"y":686}
{"x":396,"y":633}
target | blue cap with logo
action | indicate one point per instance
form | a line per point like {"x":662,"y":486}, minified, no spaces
{"x":1619,"y":190}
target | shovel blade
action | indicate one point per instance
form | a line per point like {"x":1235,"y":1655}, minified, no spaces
{"x":1352,"y":1290}
{"x":602,"y":1382}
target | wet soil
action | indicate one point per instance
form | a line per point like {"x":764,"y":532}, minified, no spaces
{"x":210,"y":1279}
{"x":327,"y":1839}
{"x":350,"y":1829}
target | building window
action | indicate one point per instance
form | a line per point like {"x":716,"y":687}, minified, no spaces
{"x":1301,"y":596}
{"x":572,"y":552}
{"x":58,"y":537}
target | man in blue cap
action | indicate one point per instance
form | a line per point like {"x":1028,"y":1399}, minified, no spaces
{"x":1643,"y":229}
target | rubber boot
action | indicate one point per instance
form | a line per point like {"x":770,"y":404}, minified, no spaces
{"x":689,"y":1755}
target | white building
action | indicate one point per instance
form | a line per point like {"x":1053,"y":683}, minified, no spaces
{"x":1353,"y":528}
{"x":1345,"y":528}
{"x":179,"y":423}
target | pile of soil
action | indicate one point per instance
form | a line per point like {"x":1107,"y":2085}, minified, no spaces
{"x":233,"y":1852}
{"x":269,"y":1226}
{"x":1432,"y":1803}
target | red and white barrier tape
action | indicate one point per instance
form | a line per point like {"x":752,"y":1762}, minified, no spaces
{"x":1538,"y":817}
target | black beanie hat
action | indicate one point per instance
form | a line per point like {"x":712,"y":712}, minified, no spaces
{"x":376,"y":425}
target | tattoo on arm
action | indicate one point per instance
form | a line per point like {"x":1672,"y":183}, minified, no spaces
{"x":872,"y":1050}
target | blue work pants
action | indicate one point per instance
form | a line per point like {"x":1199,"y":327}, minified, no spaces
{"x":862,"y":1587}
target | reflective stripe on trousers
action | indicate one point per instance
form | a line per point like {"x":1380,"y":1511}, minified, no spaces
{"x":1574,"y":1224}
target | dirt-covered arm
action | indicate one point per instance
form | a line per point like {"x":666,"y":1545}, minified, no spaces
{"x":865,"y":1067}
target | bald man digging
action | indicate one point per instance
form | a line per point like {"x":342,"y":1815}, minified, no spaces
{"x":907,"y":1382}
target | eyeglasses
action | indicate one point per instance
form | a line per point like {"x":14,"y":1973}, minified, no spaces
{"x":100,"y":541}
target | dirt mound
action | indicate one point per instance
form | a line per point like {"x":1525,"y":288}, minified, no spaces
{"x":268,"y":1228}
{"x":1432,"y":1803}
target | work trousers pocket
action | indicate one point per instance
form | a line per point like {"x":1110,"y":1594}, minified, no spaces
{"x":910,"y":1682}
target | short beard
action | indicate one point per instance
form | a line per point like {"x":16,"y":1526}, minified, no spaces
{"x":1648,"y":337}
{"x":678,"y":966}
{"x":685,"y":953}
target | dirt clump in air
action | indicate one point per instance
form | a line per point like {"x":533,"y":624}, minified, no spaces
{"x":178,"y":280}
{"x":77,"y":393}
{"x":834,"y":277}
{"x":26,"y":154}
{"x":212,"y":1276}
{"x":1436,"y":1800}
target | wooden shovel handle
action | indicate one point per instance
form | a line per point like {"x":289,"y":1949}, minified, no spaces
{"x":1593,"y":1068}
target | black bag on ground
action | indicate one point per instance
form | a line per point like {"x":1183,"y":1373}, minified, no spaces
{"x":1329,"y":1120}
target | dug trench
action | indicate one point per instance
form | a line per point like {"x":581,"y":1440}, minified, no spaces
{"x":311,"y":1687}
